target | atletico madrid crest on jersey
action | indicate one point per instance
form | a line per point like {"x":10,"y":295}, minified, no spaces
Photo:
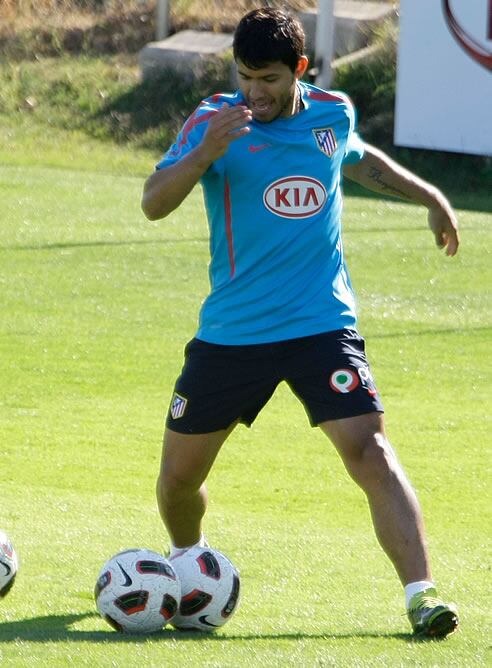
{"x":326,"y":141}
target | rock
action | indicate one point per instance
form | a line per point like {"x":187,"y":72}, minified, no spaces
{"x":185,"y":52}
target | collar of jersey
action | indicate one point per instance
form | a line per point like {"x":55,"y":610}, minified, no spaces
{"x":305,"y":101}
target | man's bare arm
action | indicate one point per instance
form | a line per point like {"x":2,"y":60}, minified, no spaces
{"x":165,"y":189}
{"x":378,"y":172}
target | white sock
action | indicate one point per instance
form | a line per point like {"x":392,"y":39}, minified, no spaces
{"x":179,"y":550}
{"x":413,"y":588}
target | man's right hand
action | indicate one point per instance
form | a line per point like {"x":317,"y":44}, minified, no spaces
{"x":228,"y":124}
{"x":166,"y":188}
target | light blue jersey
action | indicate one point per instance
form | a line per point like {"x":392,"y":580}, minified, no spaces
{"x":274,"y":207}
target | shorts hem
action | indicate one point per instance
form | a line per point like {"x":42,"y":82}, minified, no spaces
{"x":355,"y":413}
{"x":206,"y":430}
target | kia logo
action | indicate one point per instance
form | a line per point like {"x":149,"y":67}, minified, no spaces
{"x":471,"y":43}
{"x":295,"y":197}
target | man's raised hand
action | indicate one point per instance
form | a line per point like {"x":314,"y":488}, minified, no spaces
{"x":228,"y":124}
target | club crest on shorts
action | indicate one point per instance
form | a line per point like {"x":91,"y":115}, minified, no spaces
{"x":326,"y":141}
{"x":344,"y":381}
{"x":178,"y":406}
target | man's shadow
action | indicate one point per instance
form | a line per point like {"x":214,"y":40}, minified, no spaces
{"x":52,"y":628}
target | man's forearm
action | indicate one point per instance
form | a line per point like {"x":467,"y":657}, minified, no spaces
{"x":167,"y":188}
{"x":378,"y":172}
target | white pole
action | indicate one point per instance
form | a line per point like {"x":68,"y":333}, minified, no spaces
{"x":323,"y":47}
{"x":162,"y":19}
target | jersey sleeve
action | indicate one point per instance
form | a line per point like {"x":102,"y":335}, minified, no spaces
{"x":354,"y":149}
{"x":190,"y":136}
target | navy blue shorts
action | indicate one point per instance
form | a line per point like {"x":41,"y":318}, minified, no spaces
{"x":221,"y":384}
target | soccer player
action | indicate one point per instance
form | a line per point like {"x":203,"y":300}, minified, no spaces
{"x":270,"y":158}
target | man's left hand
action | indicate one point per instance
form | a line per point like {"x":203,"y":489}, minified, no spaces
{"x":444,"y":226}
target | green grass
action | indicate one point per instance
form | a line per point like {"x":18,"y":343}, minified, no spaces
{"x":104,"y":98}
{"x":96,"y":305}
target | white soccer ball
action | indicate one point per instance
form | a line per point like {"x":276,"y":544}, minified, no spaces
{"x":137,"y":591}
{"x":8,"y":564}
{"x":210,"y":587}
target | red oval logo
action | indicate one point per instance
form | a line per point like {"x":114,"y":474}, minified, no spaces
{"x":472,"y":44}
{"x":295,"y":197}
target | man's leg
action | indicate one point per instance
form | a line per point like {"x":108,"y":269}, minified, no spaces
{"x":181,"y":491}
{"x":370,"y":460}
{"x":397,"y":518}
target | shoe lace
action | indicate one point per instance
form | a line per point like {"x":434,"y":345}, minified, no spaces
{"x":423,"y":602}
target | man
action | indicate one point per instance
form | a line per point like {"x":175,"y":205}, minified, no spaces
{"x":270,"y":159}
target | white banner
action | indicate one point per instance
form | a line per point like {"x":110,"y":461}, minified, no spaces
{"x":444,"y":81}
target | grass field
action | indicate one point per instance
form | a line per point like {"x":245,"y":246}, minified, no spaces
{"x":96,"y":305}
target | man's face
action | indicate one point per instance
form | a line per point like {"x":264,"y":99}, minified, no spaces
{"x":270,"y":91}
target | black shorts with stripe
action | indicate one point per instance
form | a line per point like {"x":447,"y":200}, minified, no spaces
{"x":220,"y":384}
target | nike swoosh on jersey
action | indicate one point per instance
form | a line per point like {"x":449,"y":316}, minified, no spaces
{"x":128,"y":581}
{"x":254,"y":149}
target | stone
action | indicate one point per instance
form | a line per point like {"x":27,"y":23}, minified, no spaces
{"x":185,"y":52}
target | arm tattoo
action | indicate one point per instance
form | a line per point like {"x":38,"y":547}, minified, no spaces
{"x":376,"y":175}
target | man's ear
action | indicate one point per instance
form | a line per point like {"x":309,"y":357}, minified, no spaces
{"x":302,"y":65}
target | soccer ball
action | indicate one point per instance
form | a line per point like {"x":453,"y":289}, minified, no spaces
{"x":137,"y":591}
{"x":209,"y":589}
{"x":8,"y":564}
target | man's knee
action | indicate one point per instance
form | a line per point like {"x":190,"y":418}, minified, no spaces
{"x":172,"y":485}
{"x":372,"y":460}
{"x":186,"y":462}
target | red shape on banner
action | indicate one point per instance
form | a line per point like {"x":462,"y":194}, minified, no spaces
{"x":478,"y":52}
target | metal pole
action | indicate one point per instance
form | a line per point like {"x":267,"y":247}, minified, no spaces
{"x":162,"y":19}
{"x":323,"y":47}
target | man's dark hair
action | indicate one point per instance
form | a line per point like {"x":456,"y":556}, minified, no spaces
{"x":267,"y":36}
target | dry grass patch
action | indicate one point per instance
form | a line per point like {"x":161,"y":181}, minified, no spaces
{"x":83,"y":13}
